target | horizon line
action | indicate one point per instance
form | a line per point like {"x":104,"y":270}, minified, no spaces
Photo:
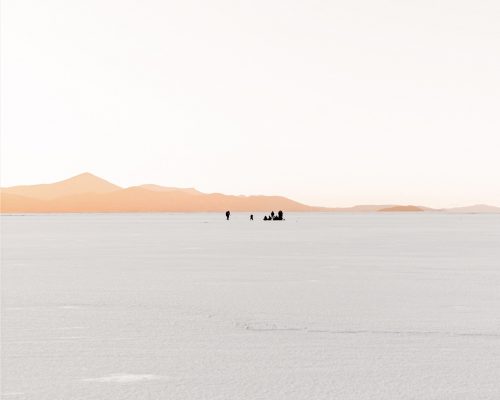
{"x":142,"y":185}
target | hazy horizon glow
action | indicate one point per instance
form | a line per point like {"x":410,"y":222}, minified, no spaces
{"x":328,"y":103}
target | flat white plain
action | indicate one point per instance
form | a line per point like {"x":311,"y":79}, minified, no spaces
{"x":320,"y":306}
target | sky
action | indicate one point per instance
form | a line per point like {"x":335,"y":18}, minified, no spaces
{"x":331,"y":103}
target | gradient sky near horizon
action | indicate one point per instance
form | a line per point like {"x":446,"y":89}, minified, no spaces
{"x":327,"y":102}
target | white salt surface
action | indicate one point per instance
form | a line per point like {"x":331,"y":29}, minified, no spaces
{"x":124,"y":378}
{"x":190,"y":306}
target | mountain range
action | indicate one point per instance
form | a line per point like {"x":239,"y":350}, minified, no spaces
{"x":89,"y":193}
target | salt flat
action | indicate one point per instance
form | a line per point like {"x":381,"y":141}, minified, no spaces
{"x":191,"y":306}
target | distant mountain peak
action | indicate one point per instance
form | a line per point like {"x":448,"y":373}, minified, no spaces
{"x":78,"y":184}
{"x":87,"y":176}
{"x":90,"y":183}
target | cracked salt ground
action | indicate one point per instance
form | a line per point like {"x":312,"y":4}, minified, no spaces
{"x":322,"y":306}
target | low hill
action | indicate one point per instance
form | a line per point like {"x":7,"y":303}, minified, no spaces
{"x":402,"y":209}
{"x":364,"y":208}
{"x":12,"y":203}
{"x":158,"y":188}
{"x":478,"y":208}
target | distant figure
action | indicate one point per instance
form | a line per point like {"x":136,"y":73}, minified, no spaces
{"x":227,"y":215}
{"x":265,"y":217}
{"x":280,"y":215}
{"x":251,"y":217}
{"x":272,"y":214}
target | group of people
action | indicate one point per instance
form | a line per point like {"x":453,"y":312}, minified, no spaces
{"x":272,"y":217}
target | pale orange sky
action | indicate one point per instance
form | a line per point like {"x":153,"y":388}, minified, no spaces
{"x":329,"y":103}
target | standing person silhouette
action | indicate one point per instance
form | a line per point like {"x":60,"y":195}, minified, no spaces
{"x":227,"y":215}
{"x":251,"y":217}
